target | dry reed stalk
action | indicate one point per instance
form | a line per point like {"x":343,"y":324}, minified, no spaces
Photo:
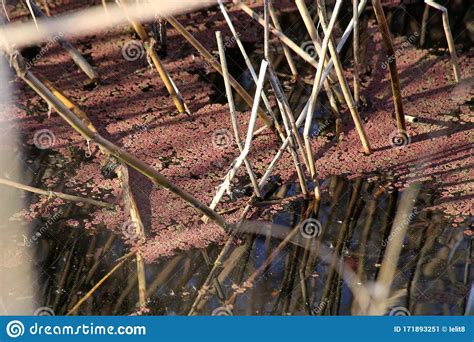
{"x":449,"y":38}
{"x":355,"y":36}
{"x":313,"y":33}
{"x":344,"y":85}
{"x":163,"y":35}
{"x":394,"y":247}
{"x":248,"y":141}
{"x":233,"y":115}
{"x":290,"y":131}
{"x":250,"y":68}
{"x":149,"y":44}
{"x":145,"y":169}
{"x":51,"y":194}
{"x":134,"y":213}
{"x":99,"y":283}
{"x":315,"y":92}
{"x":266,"y":34}
{"x":128,"y":199}
{"x":344,"y":38}
{"x":76,"y":56}
{"x":392,"y":62}
{"x":280,"y":94}
{"x":281,"y":36}
{"x":424,"y":20}
{"x":286,"y":51}
{"x":210,"y":59}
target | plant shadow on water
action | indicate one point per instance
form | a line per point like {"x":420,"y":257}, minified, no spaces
{"x":353,"y":222}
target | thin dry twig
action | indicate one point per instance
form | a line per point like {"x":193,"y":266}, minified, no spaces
{"x":392,"y":62}
{"x":233,"y":115}
{"x":61,"y":195}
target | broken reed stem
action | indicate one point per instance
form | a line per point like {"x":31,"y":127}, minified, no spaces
{"x":128,"y":199}
{"x":76,"y":56}
{"x":250,"y":67}
{"x":280,"y":94}
{"x":449,"y":38}
{"x":394,"y":247}
{"x":248,"y":141}
{"x":132,"y":208}
{"x":61,"y":195}
{"x":355,"y":36}
{"x":99,"y":283}
{"x":281,"y":36}
{"x":290,"y":132}
{"x":308,"y":21}
{"x":345,"y":87}
{"x":149,"y":45}
{"x":145,"y":169}
{"x":392,"y":62}
{"x":233,"y":115}
{"x":286,"y":51}
{"x":313,"y":34}
{"x":211,"y":60}
{"x":315,"y":92}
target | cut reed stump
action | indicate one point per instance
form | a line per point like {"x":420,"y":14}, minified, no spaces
{"x":392,"y":62}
